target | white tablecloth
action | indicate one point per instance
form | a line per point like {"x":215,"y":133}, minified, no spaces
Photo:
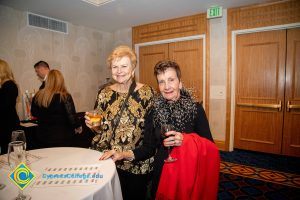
{"x":106,"y":189}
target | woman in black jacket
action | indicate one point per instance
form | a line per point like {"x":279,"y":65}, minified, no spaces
{"x":55,"y":110}
{"x":9,"y":119}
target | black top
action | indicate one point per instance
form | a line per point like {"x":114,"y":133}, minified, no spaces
{"x":56,"y":123}
{"x":9,"y":119}
{"x":186,"y":115}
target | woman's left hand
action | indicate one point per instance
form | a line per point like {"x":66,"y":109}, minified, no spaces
{"x":112,"y":154}
{"x":173,"y":139}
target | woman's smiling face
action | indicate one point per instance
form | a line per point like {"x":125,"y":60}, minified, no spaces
{"x":122,"y":70}
{"x":169,"y":84}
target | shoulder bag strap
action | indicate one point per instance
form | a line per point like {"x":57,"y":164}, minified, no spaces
{"x":118,"y":118}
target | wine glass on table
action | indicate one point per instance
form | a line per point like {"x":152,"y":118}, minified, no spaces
{"x":16,"y":155}
{"x":163,"y":130}
{"x":19,"y":135}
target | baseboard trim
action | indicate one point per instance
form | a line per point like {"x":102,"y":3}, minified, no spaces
{"x":220,"y":144}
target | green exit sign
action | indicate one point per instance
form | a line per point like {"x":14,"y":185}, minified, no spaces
{"x":214,"y":11}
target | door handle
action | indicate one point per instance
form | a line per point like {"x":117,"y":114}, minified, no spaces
{"x":291,"y":106}
{"x":275,"y":106}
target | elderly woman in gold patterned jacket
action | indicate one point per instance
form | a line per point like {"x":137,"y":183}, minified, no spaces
{"x":123,"y":106}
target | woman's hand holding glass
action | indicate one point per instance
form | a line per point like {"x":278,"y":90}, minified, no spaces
{"x":173,"y":138}
{"x":93,"y":120}
{"x":168,"y":142}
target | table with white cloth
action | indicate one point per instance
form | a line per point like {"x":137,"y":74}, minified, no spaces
{"x":108,"y":188}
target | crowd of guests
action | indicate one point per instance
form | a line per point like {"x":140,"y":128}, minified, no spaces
{"x":130,"y":128}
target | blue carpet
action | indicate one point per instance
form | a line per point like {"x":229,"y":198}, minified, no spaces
{"x":263,"y":160}
{"x":250,"y":175}
{"x":237,"y":187}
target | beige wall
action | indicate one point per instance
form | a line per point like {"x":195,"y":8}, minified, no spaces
{"x":218,"y":79}
{"x":122,"y":37}
{"x":79,"y":55}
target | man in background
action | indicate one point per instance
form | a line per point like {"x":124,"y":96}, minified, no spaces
{"x":42,"y":69}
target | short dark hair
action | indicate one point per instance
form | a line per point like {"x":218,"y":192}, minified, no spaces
{"x":163,"y":65}
{"x":41,"y":63}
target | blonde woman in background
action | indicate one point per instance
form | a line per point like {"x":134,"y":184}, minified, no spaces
{"x":9,"y":119}
{"x":55,"y":110}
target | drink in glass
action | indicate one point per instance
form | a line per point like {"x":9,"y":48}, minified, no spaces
{"x":164,"y":129}
{"x":95,"y":117}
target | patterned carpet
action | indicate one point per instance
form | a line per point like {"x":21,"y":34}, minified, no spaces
{"x":252,"y":175}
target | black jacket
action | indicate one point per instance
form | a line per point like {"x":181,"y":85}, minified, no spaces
{"x":56,"y":123}
{"x":9,"y":119}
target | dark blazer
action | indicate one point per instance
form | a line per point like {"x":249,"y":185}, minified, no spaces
{"x":56,"y":123}
{"x":9,"y":119}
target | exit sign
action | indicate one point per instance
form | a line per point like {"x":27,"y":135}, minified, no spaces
{"x":214,"y":11}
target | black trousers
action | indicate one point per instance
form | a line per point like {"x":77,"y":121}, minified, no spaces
{"x":134,"y":186}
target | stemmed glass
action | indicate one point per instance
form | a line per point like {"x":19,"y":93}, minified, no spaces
{"x":19,"y":135}
{"x":163,"y":130}
{"x":16,"y":155}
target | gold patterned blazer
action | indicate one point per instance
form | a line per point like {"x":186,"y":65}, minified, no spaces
{"x":130,"y":130}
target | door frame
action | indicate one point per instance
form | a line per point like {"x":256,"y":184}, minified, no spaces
{"x":180,"y":39}
{"x":233,"y":69}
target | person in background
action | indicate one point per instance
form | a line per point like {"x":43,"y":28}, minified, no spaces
{"x":123,"y":131}
{"x":9,"y":119}
{"x":42,"y":69}
{"x":54,"y":108}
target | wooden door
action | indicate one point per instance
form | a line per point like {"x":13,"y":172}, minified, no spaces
{"x":148,"y":57}
{"x":189,"y":56}
{"x":291,"y":131}
{"x":260,"y":79}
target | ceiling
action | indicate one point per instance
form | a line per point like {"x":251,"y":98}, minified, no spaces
{"x":120,"y":14}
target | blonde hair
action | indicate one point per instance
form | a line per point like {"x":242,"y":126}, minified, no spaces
{"x":55,"y":84}
{"x":5,"y":72}
{"x":120,"y":52}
